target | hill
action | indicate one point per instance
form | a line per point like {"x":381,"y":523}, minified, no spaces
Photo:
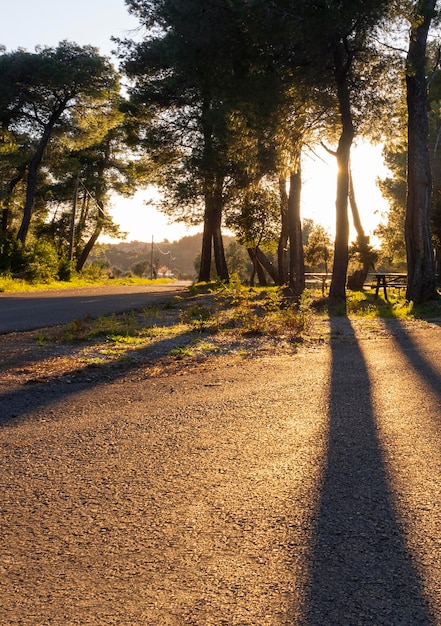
{"x":177,"y":257}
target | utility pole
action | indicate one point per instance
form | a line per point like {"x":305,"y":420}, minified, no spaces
{"x":151,"y":261}
{"x":72,"y":223}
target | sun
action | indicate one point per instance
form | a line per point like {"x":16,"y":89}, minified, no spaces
{"x":319,"y":187}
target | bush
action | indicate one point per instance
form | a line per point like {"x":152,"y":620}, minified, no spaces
{"x":95,"y":271}
{"x":66,"y":270}
{"x":42,"y":263}
{"x":12,"y":255}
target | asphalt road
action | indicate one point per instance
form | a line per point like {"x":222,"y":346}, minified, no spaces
{"x":291,"y":490}
{"x":38,"y":309}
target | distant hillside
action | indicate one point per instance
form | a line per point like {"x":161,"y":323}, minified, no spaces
{"x":177,"y":257}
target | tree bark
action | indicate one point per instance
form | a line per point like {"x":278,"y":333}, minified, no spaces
{"x":254,"y":262}
{"x":218,"y":242}
{"x":257,"y":268}
{"x":34,"y":164}
{"x":213,"y":197}
{"x":207,"y":238}
{"x":282,"y":250}
{"x":212,"y":239}
{"x":357,"y":280}
{"x":342,"y":63}
{"x":354,"y":208}
{"x":6,"y":208}
{"x":88,"y":248}
{"x":421,"y":283}
{"x":267,"y":265}
{"x":296,"y":257}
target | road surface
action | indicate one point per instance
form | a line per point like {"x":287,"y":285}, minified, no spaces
{"x":299,"y":490}
{"x":37,"y":309}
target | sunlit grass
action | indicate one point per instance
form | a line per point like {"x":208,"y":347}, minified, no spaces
{"x":364,"y":304}
{"x":216,"y":318}
{"x":206,"y":346}
{"x":15,"y":285}
{"x":94,"y":361}
{"x":263,"y":311}
{"x":161,"y":332}
{"x":183,"y":328}
{"x":181,"y":351}
{"x":194,"y":348}
{"x":133,"y":329}
{"x":126,"y":340}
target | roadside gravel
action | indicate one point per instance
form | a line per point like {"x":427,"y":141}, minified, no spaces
{"x":297,"y":486}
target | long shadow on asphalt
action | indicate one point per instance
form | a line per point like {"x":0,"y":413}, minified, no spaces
{"x":413,"y":354}
{"x":362,"y":572}
{"x":26,"y":400}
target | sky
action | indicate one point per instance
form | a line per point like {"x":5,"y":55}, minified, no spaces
{"x":30,"y":23}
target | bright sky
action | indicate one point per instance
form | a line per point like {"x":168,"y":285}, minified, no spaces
{"x":29,"y":23}
{"x":319,"y":187}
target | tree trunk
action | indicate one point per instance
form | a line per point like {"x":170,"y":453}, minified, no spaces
{"x":88,"y":248}
{"x":207,"y":238}
{"x":261,"y":276}
{"x":421,"y":283}
{"x":212,"y":239}
{"x":342,"y":62}
{"x":438,"y":261}
{"x":213,"y":197}
{"x":5,"y":219}
{"x":6,"y":209}
{"x":72,"y":220}
{"x":254,"y":262}
{"x":267,"y":265}
{"x":33,"y":167}
{"x":257,"y":268}
{"x":354,"y":208}
{"x":296,"y":258}
{"x":218,"y":242}
{"x":358,"y":278}
{"x":31,"y":187}
{"x":282,"y":250}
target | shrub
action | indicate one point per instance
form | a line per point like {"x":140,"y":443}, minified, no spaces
{"x":66,"y":270}
{"x":42,"y":263}
{"x":12,"y":255}
{"x":95,"y":271}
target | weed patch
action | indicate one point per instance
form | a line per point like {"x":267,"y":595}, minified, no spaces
{"x":217,"y":319}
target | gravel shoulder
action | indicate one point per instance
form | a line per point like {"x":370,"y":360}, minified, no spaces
{"x":268,"y":486}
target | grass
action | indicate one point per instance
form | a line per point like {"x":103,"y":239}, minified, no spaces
{"x":364,"y":304}
{"x":207,"y":322}
{"x":215,"y":318}
{"x":181,"y":352}
{"x":134,"y":328}
{"x":15,"y":285}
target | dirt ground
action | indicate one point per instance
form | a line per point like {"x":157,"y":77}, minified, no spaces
{"x":261,"y":487}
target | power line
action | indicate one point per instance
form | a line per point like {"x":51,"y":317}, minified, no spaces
{"x":161,"y":251}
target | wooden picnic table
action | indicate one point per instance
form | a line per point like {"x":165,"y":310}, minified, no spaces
{"x":321,"y":278}
{"x":383,"y":280}
{"x":388,"y":279}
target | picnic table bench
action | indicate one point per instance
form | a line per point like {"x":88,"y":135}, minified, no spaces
{"x":317,"y":279}
{"x":383,"y":280}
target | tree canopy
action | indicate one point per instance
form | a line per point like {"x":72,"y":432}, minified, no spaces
{"x":61,"y":114}
{"x":221,"y":99}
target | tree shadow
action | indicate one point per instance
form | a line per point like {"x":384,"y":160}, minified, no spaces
{"x":26,"y":399}
{"x":410,"y":349}
{"x":362,"y":572}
